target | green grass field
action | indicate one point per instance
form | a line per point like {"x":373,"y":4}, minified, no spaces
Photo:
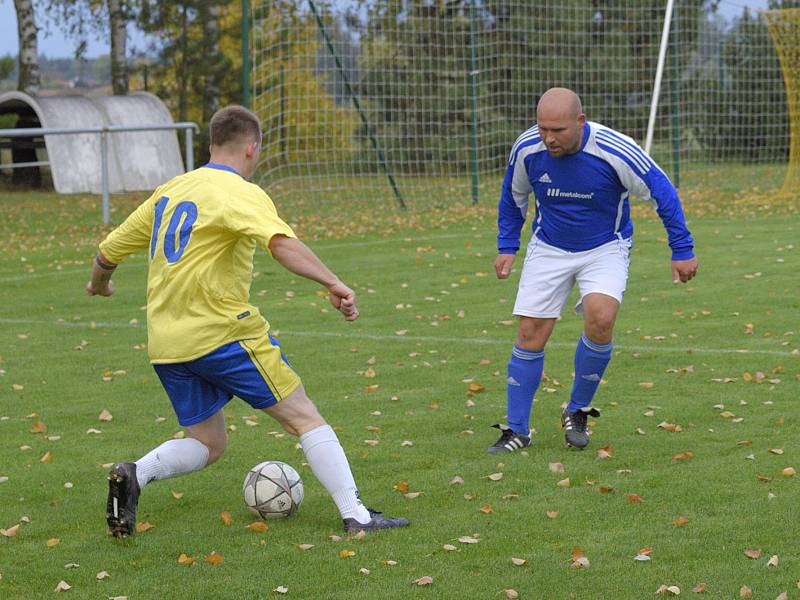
{"x":720,"y":357}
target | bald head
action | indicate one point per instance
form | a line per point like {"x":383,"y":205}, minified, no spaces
{"x":560,"y":117}
{"x":557,"y":102}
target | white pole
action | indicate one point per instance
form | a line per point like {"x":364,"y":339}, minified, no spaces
{"x":662,"y":53}
{"x":104,"y":173}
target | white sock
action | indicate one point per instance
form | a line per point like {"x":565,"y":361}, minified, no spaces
{"x":326,"y":457}
{"x":170,"y":459}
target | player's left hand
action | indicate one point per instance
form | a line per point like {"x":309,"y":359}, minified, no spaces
{"x":684,"y":270}
{"x":343,"y":299}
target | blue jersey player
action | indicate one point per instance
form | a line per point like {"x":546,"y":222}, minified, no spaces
{"x":581,"y":174}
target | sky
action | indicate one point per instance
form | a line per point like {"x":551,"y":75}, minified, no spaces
{"x":55,"y":44}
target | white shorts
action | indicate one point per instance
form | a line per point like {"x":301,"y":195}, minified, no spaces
{"x":549,"y":274}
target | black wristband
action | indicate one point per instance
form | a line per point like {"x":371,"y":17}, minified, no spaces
{"x":103,"y":265}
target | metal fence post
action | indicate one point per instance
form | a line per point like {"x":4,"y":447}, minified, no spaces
{"x":104,"y":173}
{"x":189,"y":149}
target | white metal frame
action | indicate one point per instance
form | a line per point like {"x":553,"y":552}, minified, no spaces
{"x":188,"y":126}
{"x":662,"y":53}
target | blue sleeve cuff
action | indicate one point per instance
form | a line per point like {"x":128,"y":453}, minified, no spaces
{"x":682,"y":254}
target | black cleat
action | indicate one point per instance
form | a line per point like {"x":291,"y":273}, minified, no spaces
{"x":509,"y":441}
{"x":377,"y":521}
{"x":123,"y":497}
{"x":575,"y":426}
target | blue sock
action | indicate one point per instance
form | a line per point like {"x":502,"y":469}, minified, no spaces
{"x":524,"y":374}
{"x":591,"y":360}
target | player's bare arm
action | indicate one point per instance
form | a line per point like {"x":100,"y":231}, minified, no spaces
{"x":100,"y":283}
{"x":684,"y":270}
{"x":503,"y":264}
{"x":298,"y":258}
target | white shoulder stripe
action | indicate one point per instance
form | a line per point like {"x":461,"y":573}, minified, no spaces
{"x":526,"y":136}
{"x":623,"y":142}
{"x":613,"y":145}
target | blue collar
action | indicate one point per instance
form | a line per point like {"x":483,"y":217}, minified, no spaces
{"x":221,"y":167}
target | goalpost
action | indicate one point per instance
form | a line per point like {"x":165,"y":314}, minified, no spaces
{"x":417,"y":102}
{"x":784,"y":26}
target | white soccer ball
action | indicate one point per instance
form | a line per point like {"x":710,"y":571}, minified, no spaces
{"x":272,"y":489}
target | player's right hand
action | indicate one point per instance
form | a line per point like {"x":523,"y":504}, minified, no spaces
{"x":107,"y":290}
{"x":343,"y":299}
{"x":502,"y":265}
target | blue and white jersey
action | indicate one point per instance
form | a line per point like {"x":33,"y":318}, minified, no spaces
{"x":582,"y":199}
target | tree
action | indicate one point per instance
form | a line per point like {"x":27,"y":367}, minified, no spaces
{"x":118,"y":21}
{"x":28,"y":47}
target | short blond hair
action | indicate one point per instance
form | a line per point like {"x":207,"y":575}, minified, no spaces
{"x":234,"y":124}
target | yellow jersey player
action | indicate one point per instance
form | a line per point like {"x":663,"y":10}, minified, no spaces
{"x":206,"y":341}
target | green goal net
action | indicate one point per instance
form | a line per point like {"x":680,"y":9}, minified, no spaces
{"x":419,"y":101}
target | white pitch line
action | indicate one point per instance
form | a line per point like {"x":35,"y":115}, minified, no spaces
{"x":419,"y":338}
{"x":319,"y":244}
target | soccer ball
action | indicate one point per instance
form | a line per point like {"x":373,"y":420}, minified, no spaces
{"x":272,"y":489}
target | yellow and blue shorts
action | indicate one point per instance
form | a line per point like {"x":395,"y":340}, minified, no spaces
{"x":255,"y":370}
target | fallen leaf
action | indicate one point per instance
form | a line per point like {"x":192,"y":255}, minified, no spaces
{"x":551,"y":514}
{"x":635,"y":498}
{"x":10,"y":532}
{"x":281,"y":589}
{"x":580,"y":563}
{"x":683,"y":456}
{"x":62,"y":586}
{"x":345,"y":553}
{"x":486,"y":509}
{"x":773,"y":561}
{"x":680,"y":521}
{"x":214,"y":558}
{"x":753,"y":553}
{"x":53,"y":542}
{"x":777,"y":451}
{"x":400,"y":486}
{"x":305,"y":546}
{"x":449,"y":547}
{"x":412,"y":495}
{"x":177,"y":495}
{"x":185,"y":559}
{"x":258,"y":526}
{"x":782,"y":596}
{"x":363,"y":571}
{"x":518,"y":562}
{"x":789,"y":472}
{"x":476,"y":387}
{"x":495,"y":476}
{"x":605,"y":452}
{"x":646,"y":384}
{"x":466,"y":539}
{"x":226,"y":517}
{"x":669,"y":590}
{"x":105,"y":415}
{"x":745,"y":592}
{"x":47,"y":458}
{"x":143,"y":526}
{"x":391,"y":563}
{"x":39,"y":427}
{"x":426,"y":580}
{"x":556,"y":467}
{"x":565,"y":483}
{"x":456,"y":481}
{"x":700,"y":587}
{"x":102,"y":575}
{"x":671,"y":427}
{"x":641,"y":557}
{"x":511,"y":593}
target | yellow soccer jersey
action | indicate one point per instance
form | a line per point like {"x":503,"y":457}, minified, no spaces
{"x":200,"y":231}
